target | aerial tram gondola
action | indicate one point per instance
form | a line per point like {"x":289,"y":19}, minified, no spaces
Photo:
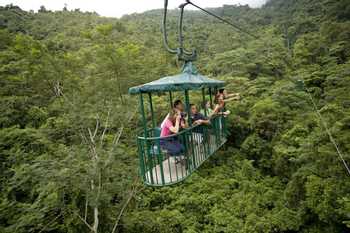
{"x":157,"y":166}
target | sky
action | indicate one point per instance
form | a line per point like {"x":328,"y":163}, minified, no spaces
{"x":117,"y":8}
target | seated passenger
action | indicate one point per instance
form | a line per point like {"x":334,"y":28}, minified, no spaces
{"x":170,"y":127}
{"x":198,"y":118}
{"x":179,"y":108}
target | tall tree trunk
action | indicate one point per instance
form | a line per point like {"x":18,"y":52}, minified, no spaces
{"x":95,"y":224}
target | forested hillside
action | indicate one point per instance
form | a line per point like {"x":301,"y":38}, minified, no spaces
{"x":68,"y":127}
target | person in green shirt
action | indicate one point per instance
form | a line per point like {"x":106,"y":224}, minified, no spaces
{"x":206,"y":109}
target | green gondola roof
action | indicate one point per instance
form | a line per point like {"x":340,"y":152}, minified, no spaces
{"x":189,"y":79}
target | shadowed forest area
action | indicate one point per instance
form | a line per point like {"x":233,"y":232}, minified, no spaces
{"x":68,"y":127}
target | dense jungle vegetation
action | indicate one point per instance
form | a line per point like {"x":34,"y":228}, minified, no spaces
{"x":68,"y":127}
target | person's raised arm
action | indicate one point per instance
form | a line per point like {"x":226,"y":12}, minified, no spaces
{"x":231,"y":97}
{"x":204,"y":122}
{"x":175,"y":129}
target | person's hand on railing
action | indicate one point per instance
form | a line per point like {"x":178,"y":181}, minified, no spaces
{"x":198,"y":122}
{"x":201,"y":122}
{"x":226,"y":113}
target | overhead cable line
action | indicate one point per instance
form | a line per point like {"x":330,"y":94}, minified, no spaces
{"x":222,"y":19}
{"x":324,"y":124}
{"x":180,"y":51}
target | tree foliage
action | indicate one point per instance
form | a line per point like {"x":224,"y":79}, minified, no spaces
{"x":67,"y":126}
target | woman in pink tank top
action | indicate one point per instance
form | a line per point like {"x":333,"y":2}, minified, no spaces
{"x":171,"y":126}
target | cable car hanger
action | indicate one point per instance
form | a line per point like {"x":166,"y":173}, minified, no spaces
{"x":181,"y":52}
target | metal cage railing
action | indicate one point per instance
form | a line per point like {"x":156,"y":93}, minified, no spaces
{"x":159,"y":167}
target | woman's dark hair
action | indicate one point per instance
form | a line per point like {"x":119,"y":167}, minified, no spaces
{"x":176,"y":103}
{"x":221,"y":91}
{"x":217,"y":97}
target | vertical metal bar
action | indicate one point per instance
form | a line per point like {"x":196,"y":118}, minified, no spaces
{"x":193,"y":149}
{"x":198,"y":147}
{"x":206,"y":141}
{"x":194,"y":146}
{"x":151,"y":109}
{"x":203,"y":145}
{"x":209,"y":143}
{"x":223,"y":133}
{"x":186,"y":158}
{"x":145,"y":160}
{"x":171,"y":179}
{"x":142,"y":162}
{"x":205,"y":130}
{"x":182,"y":170}
{"x":158,"y":153}
{"x":187,"y":103}
{"x":177,"y":174}
{"x":187,"y":99}
{"x":184,"y":141}
{"x":144,"y":124}
{"x":180,"y":36}
{"x":142,"y":111}
{"x":171,"y":99}
{"x":226,"y":133}
{"x":210,"y":98}
{"x":150,"y":161}
{"x":212,"y":138}
{"x":155,"y":162}
{"x":213,"y":121}
{"x":203,"y":103}
{"x":171,"y":107}
{"x":216,"y":130}
{"x":160,"y":159}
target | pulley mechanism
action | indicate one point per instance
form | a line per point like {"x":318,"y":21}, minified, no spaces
{"x":180,"y":51}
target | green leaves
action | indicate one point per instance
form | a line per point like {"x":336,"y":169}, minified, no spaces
{"x":68,"y":126}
